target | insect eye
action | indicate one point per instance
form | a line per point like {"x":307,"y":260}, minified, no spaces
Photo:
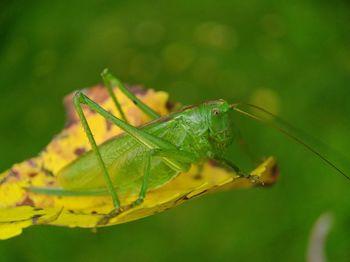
{"x":215,"y":111}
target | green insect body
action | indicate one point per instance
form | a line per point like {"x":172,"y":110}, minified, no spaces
{"x":148,"y":157}
{"x":204,"y":131}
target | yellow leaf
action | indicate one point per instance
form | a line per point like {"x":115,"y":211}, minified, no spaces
{"x":20,"y":208}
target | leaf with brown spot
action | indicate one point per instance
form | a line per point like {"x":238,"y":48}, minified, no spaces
{"x":20,"y":208}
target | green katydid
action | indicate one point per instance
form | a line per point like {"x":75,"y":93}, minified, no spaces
{"x":148,"y":157}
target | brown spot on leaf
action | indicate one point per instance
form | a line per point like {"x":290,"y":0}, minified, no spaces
{"x":273,"y":176}
{"x":79,"y":151}
{"x":170,"y":105}
{"x":51,"y":183}
{"x":27,"y":202}
{"x":35,"y":218}
{"x":33,"y":174}
{"x":197,"y":177}
{"x":108,"y":125}
{"x":31,"y":163}
{"x":47,"y":171}
{"x":275,"y":171}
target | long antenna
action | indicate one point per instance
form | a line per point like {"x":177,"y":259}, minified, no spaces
{"x":299,"y":132}
{"x":284,"y":131}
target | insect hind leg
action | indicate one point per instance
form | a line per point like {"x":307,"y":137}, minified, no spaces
{"x":78,"y":100}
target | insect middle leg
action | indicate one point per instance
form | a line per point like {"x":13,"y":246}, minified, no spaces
{"x":179,"y":155}
{"x":115,"y":212}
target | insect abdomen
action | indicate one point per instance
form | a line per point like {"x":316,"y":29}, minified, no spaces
{"x":124,"y":158}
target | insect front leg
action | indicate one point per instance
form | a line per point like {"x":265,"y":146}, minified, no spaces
{"x":144,"y":185}
{"x":230,"y":165}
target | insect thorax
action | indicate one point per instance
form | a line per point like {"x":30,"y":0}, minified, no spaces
{"x":209,"y":127}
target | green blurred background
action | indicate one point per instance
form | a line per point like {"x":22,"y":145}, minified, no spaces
{"x":291,"y":57}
